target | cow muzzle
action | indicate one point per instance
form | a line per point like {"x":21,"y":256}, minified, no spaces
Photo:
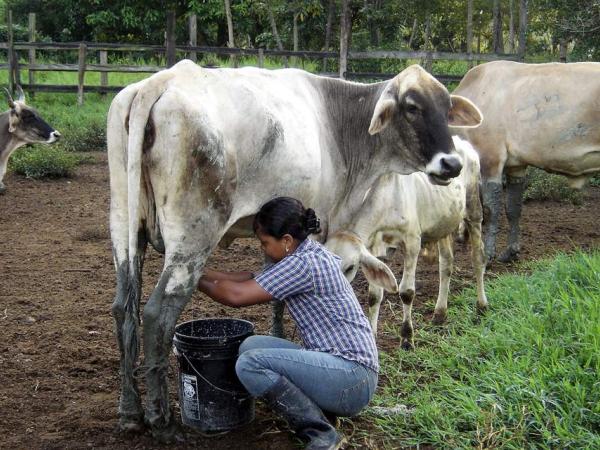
{"x":54,"y":136}
{"x":443,"y":168}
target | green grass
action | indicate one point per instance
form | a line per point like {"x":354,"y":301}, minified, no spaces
{"x":525,"y":376}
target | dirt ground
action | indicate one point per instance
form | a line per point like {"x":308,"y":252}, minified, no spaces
{"x":58,"y":354}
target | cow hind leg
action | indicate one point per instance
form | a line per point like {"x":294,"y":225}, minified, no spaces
{"x":407,"y":290}
{"x":491,"y":200}
{"x":375,"y":297}
{"x":125,"y":310}
{"x":515,"y":186}
{"x":446,"y":262}
{"x":172,"y":292}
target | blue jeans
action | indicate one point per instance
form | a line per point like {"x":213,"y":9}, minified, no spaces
{"x":335,"y":384}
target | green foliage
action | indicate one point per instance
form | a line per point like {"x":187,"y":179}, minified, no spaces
{"x":44,"y":162}
{"x":542,"y":185}
{"x":523,"y":376}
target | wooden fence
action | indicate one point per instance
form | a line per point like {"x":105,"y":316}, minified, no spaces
{"x":170,"y":50}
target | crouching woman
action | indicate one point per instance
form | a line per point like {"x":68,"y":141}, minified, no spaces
{"x":334,"y":371}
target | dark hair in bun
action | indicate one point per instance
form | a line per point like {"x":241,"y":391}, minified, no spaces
{"x":286,"y":215}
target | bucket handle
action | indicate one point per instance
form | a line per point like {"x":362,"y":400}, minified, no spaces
{"x":234,"y":393}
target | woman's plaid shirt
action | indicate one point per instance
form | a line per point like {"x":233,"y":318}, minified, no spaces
{"x":322,"y":303}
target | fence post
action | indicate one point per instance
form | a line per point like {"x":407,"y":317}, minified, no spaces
{"x":103,"y":75}
{"x":81,"y":72}
{"x":193,"y":25}
{"x":344,"y":37}
{"x":261,"y":58}
{"x":11,"y":68}
{"x":32,"y":38}
{"x":562,"y":46}
{"x":171,"y":57}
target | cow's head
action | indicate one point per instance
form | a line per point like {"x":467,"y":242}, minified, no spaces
{"x":26,"y":124}
{"x":414,"y":114}
{"x":351,"y":249}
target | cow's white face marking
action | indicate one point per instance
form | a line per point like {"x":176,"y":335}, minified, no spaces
{"x":441,"y":165}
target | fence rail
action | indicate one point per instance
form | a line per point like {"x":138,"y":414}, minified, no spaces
{"x":170,"y":50}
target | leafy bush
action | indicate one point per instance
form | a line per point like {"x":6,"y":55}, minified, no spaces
{"x":44,"y":162}
{"x":87,"y":138}
{"x":545,"y":186}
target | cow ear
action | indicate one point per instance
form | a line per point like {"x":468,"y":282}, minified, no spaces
{"x":20,"y":93}
{"x":464,"y":113}
{"x":9,"y":99}
{"x":377,"y":272}
{"x":384,"y":109}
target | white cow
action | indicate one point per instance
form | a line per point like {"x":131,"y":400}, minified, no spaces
{"x":194,"y":153}
{"x":408,"y":211}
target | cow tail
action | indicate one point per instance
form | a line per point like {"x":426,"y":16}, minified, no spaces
{"x":139,"y":115}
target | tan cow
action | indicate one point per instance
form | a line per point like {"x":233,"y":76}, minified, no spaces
{"x":542,"y":115}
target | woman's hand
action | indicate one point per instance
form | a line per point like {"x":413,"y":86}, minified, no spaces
{"x":234,"y":293}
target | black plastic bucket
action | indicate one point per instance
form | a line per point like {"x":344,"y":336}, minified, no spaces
{"x":210,"y":395}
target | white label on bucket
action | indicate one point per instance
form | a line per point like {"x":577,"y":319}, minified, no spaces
{"x":189,"y":390}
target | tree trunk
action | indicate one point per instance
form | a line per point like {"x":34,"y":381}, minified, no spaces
{"x":413,"y":33}
{"x":230,"y":42}
{"x":562,"y":46}
{"x":470,"y":30}
{"x":497,"y":41}
{"x":275,"y":32}
{"x":295,"y":39}
{"x":330,"y":12}
{"x":522,"y":28}
{"x":511,"y":27}
{"x":344,"y":38}
{"x":428,"y":62}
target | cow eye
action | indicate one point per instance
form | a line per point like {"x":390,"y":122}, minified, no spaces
{"x":349,"y":270}
{"x":27,"y":116}
{"x":412,"y":109}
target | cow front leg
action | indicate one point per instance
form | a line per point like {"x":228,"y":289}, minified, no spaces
{"x":478,"y":262}
{"x":515,"y":186}
{"x":446,"y":262}
{"x":3,"y":166}
{"x":492,"y":200}
{"x":172,"y":292}
{"x":412,"y":247}
{"x":375,"y":298}
{"x":277,"y":309}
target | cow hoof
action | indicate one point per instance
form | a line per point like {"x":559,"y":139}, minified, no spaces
{"x":407,"y":345}
{"x":170,"y":434}
{"x":481,"y":309}
{"x":439,"y":317}
{"x":131,"y":423}
{"x":2,"y":190}
{"x":510,"y":255}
